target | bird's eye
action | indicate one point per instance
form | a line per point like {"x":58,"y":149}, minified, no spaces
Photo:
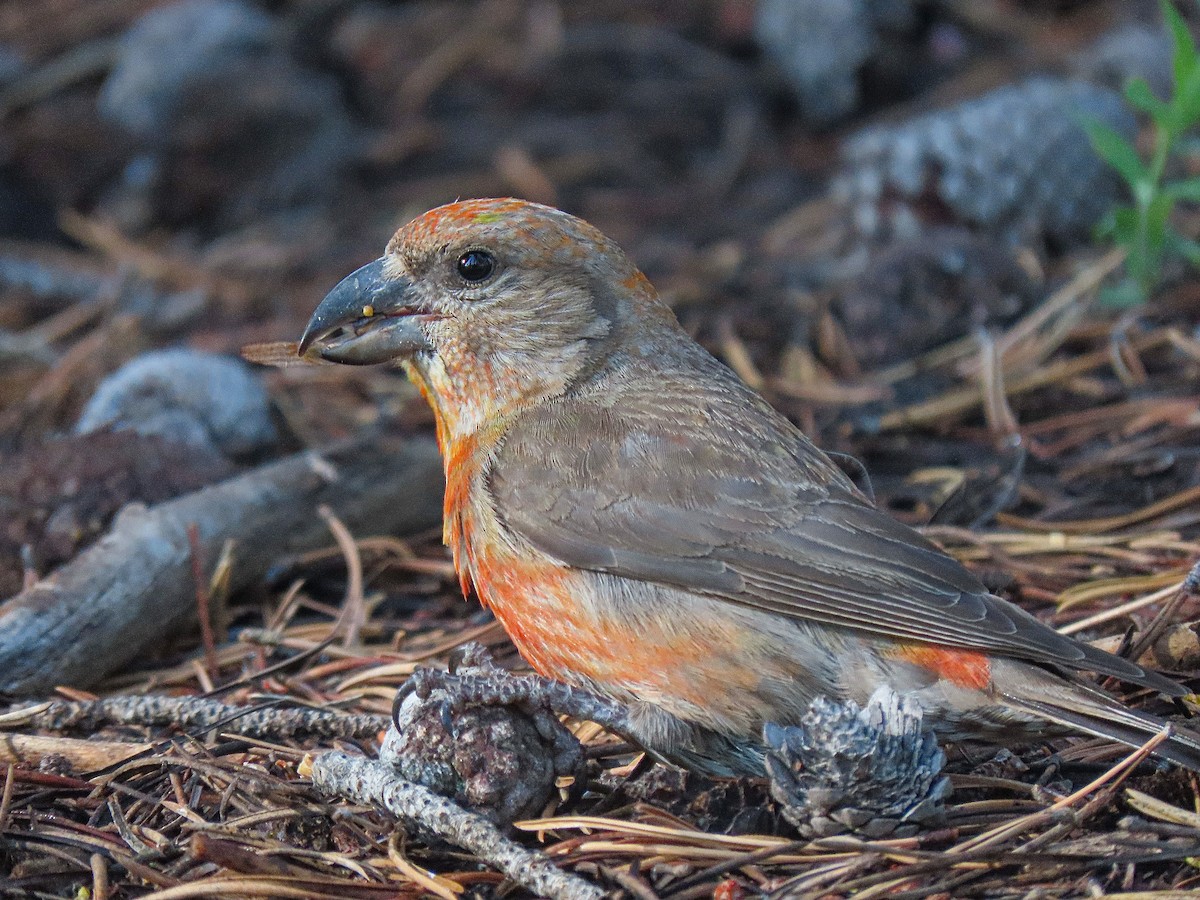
{"x":476,"y":265}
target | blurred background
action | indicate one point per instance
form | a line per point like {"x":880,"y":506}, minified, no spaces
{"x":257,"y":150}
{"x":822,"y":189}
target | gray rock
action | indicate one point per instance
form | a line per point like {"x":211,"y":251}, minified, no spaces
{"x":187,"y":397}
{"x":213,"y":93}
{"x":173,"y":49}
{"x":819,"y":45}
{"x":12,"y":63}
{"x":1132,"y":50}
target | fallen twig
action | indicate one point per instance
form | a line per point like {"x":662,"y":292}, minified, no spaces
{"x":196,"y":713}
{"x":83,"y":755}
{"x":135,"y":587}
{"x":369,"y":781}
{"x":960,"y":400}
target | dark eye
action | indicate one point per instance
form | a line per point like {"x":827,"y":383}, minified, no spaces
{"x":476,"y":265}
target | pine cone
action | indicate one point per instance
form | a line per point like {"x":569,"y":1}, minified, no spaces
{"x":499,"y":761}
{"x":875,"y":771}
{"x":1011,"y":161}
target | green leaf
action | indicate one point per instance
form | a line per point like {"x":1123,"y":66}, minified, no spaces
{"x":1184,"y":106}
{"x":1157,"y":213}
{"x":1184,"y":58}
{"x":1132,"y":234}
{"x":1188,"y":190}
{"x":1126,"y":227}
{"x":1112,"y":147}
{"x":1139,"y":95}
{"x":1146,"y":250}
{"x":1183,"y":112}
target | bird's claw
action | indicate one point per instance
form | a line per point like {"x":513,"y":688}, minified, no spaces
{"x":422,"y":682}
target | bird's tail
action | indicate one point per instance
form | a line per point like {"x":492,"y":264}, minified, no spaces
{"x":1084,"y":708}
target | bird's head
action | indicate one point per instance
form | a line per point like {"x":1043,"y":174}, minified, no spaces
{"x":487,"y":304}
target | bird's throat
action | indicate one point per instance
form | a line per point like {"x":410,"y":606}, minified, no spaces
{"x":467,"y":428}
{"x":470,"y":394}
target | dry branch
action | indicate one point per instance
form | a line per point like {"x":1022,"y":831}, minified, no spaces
{"x":135,"y":586}
{"x":196,"y":714}
{"x":369,"y":781}
{"x":82,"y":755}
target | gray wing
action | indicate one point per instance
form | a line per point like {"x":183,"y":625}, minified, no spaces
{"x":683,"y":490}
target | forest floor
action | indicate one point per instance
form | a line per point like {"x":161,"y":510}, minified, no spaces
{"x":205,"y":187}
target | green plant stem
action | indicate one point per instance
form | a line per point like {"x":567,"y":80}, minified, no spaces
{"x":1144,"y":195}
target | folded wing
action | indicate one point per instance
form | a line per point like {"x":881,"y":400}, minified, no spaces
{"x":681,"y":489}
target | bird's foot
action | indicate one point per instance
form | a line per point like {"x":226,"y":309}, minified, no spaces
{"x":875,"y":771}
{"x":475,"y":680}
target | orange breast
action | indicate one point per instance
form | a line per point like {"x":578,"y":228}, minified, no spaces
{"x":567,"y":628}
{"x":558,"y":619}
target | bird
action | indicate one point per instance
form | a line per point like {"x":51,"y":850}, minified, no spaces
{"x":653,"y":534}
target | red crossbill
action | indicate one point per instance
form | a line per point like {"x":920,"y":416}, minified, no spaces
{"x":647,"y":528}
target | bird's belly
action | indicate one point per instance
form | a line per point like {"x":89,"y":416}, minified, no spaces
{"x":702,"y":659}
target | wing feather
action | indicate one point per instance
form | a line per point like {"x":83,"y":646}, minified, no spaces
{"x":680,"y":490}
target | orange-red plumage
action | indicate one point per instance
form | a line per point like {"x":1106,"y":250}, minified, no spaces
{"x":966,"y":668}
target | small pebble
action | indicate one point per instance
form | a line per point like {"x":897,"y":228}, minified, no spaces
{"x":1131,"y":50}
